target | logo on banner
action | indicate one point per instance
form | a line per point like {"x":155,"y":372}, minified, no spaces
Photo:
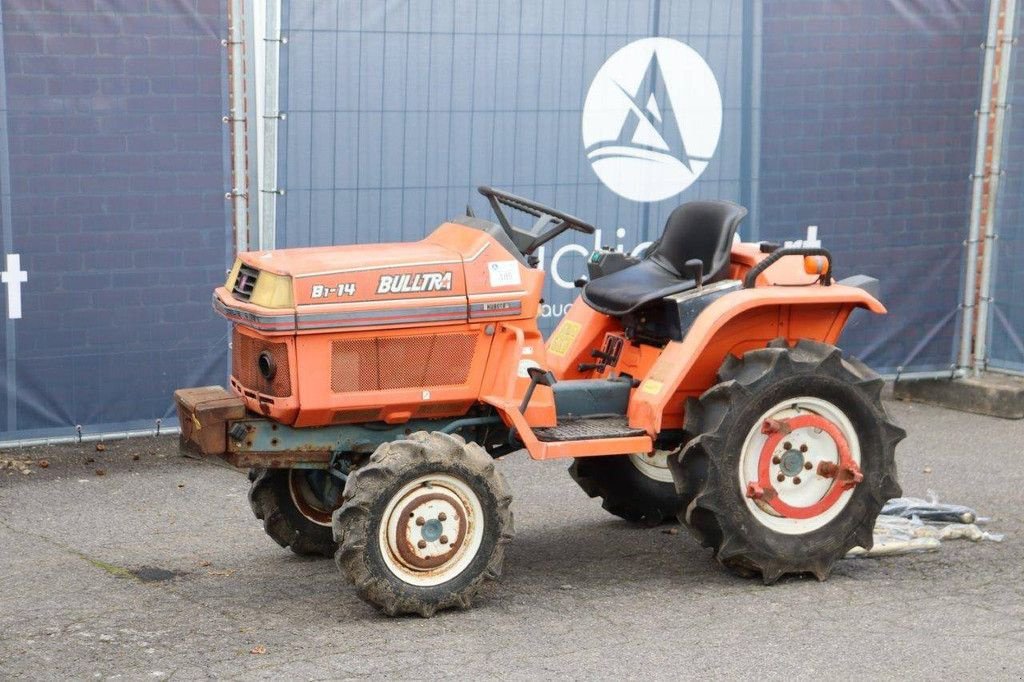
{"x":652,"y":119}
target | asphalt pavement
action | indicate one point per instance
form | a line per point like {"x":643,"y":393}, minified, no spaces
{"x":137,"y":563}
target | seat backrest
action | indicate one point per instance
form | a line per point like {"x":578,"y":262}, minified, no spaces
{"x":699,"y":229}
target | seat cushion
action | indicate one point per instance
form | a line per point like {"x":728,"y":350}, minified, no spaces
{"x":628,"y":289}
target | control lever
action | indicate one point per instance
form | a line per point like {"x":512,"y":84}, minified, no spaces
{"x":587,"y":366}
{"x":538,"y":377}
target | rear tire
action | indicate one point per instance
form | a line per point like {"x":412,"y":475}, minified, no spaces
{"x":793,"y":461}
{"x":423,"y":525}
{"x":630,"y":487}
{"x":292,"y":513}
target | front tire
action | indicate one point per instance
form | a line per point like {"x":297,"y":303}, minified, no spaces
{"x":423,"y":524}
{"x":295,"y":506}
{"x":793,"y":461}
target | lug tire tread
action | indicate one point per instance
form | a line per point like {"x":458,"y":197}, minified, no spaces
{"x":391,"y":465}
{"x":272,"y":504}
{"x":738,"y":541}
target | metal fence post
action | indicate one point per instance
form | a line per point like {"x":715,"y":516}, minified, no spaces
{"x":977,"y":186}
{"x":269,"y":191}
{"x":985,"y":286}
{"x":236,"y":119}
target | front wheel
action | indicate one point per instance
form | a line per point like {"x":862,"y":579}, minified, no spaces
{"x":794,"y":458}
{"x":423,"y":524}
{"x":295,"y":506}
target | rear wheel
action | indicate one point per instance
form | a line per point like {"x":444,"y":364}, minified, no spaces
{"x":295,"y":506}
{"x":423,"y":524}
{"x":793,"y":461}
{"x":638,"y":488}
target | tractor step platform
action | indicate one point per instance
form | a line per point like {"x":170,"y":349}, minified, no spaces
{"x":588,"y":429}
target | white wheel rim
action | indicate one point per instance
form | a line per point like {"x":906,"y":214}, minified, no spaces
{"x":653,"y":465}
{"x":799,"y":465}
{"x":431,"y":530}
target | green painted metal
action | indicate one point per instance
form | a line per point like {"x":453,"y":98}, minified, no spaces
{"x":268,"y":437}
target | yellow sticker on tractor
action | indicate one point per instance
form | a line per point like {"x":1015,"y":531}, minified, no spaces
{"x":563,"y":337}
{"x":651,"y":386}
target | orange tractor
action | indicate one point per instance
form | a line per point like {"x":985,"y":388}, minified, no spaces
{"x":373,"y":386}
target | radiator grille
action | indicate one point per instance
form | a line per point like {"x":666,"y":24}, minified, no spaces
{"x":401,"y":362}
{"x":244,"y":352}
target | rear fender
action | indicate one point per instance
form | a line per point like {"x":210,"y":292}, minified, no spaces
{"x":741,"y":321}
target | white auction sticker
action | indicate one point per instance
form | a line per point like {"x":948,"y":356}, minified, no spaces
{"x":504,"y":273}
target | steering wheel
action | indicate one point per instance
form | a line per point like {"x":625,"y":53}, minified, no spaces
{"x":550,"y":222}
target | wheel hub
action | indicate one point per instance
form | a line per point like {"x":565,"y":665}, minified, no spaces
{"x":791,"y":463}
{"x":800,"y":464}
{"x":431,"y":530}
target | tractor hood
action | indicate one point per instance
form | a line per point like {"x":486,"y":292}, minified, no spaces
{"x":455,"y":274}
{"x":362,"y":285}
{"x":330,"y":260}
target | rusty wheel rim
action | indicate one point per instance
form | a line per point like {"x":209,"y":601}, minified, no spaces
{"x":431,"y":530}
{"x":303,"y":491}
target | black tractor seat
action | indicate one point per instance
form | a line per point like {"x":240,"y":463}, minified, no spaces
{"x":701,"y":230}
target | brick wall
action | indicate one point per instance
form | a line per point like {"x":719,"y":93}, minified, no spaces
{"x":867,"y":129}
{"x":116,"y":154}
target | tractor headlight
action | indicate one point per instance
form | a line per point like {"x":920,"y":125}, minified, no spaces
{"x":272,"y":291}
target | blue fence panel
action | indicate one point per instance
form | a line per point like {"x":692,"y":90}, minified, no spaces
{"x":396,"y":111}
{"x":113,"y":156}
{"x":1006,"y":322}
{"x":867,"y":124}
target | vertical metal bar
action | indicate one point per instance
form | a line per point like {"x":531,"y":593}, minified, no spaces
{"x":985,"y":286}
{"x":269,"y":190}
{"x":750,"y":178}
{"x":236,"y":120}
{"x":977,"y":186}
{"x":11,"y":385}
{"x":650,"y":231}
{"x":253,"y":53}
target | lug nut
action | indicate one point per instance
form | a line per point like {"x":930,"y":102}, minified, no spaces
{"x":444,"y":539}
{"x":780,"y":478}
{"x":796,"y":480}
{"x":776,"y":459}
{"x":808,"y":465}
{"x":420,"y":521}
{"x":803,"y":448}
{"x":787,"y":445}
{"x":421,"y":544}
{"x":442,"y":517}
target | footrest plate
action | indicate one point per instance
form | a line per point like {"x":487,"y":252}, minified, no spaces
{"x":588,"y":429}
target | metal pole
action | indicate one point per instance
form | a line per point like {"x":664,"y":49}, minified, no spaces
{"x":985,"y":287}
{"x":88,"y":438}
{"x":977,"y":186}
{"x":236,"y":119}
{"x":269,"y":191}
